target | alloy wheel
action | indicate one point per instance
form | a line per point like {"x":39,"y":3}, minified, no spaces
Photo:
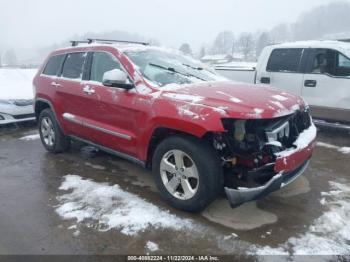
{"x":47,"y":131}
{"x":179,"y":174}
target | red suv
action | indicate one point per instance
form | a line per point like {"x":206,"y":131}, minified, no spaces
{"x":199,"y":133}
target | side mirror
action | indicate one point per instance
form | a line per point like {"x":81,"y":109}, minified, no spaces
{"x":117,"y":78}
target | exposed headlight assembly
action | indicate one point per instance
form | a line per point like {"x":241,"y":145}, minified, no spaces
{"x":240,"y":130}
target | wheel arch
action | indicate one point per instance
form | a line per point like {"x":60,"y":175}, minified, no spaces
{"x":42,"y":104}
{"x":161,"y":133}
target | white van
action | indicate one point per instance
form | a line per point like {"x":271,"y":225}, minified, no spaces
{"x":319,"y":71}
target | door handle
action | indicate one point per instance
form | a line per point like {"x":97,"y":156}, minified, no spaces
{"x":310,"y":83}
{"x":88,"y":90}
{"x":265,"y":80}
{"x":54,"y":84}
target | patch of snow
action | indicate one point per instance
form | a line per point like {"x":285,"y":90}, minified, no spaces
{"x":111,"y":207}
{"x":99,"y":167}
{"x":184,"y":97}
{"x":328,"y":235}
{"x":30,"y":137}
{"x":235,"y":100}
{"x":232,"y":98}
{"x":322,"y":144}
{"x":283,"y":112}
{"x":295,"y":107}
{"x":142,"y":89}
{"x":231,"y":236}
{"x":221,"y":109}
{"x":151,"y":246}
{"x":278,"y":104}
{"x":266,"y":251}
{"x":344,"y":150}
{"x":16,"y":83}
{"x":304,"y":139}
{"x":280,"y":98}
{"x":275,"y":143}
{"x":258,"y":110}
{"x":185,"y":111}
{"x":156,"y":94}
{"x":171,"y":87}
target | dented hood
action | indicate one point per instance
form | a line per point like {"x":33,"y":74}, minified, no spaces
{"x":239,"y":100}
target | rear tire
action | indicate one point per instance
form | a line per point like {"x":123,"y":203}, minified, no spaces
{"x":51,"y":134}
{"x":187,"y":172}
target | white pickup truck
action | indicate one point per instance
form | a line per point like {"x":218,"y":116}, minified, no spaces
{"x":319,"y":71}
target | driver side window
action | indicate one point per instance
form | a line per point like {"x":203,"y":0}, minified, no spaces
{"x":329,"y":62}
{"x":101,"y":63}
{"x":343,"y":65}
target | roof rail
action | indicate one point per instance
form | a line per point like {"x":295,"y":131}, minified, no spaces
{"x":77,"y":42}
{"x":110,"y":41}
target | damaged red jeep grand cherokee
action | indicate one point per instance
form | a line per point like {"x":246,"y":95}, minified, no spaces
{"x":199,"y":133}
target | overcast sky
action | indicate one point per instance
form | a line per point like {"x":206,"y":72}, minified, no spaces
{"x":30,"y":23}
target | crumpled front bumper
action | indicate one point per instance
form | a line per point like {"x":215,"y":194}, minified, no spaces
{"x":289,"y":165}
{"x":237,"y":197}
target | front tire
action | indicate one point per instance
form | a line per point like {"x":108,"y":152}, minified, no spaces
{"x":51,"y":134}
{"x":187,"y":172}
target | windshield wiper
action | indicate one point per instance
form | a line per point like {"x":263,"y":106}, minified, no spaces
{"x":173,"y":70}
{"x":193,"y":67}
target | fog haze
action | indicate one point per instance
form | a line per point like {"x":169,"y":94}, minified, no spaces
{"x":36,"y":23}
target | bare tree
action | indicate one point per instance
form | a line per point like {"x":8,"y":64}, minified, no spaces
{"x":202,"y":52}
{"x":154,"y":41}
{"x":223,"y":43}
{"x":185,"y":48}
{"x":246,"y":44}
{"x":10,"y":57}
{"x":262,"y":42}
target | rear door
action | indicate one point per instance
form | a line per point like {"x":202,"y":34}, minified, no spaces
{"x":326,"y":84}
{"x":69,"y":93}
{"x":284,"y":70}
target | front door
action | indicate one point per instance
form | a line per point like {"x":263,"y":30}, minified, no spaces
{"x":113,"y":115}
{"x":326,"y":84}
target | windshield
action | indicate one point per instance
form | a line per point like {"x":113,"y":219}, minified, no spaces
{"x":166,"y":68}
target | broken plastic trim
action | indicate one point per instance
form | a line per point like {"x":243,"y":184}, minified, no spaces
{"x":237,"y":197}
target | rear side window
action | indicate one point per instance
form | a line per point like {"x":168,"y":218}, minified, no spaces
{"x":53,"y":66}
{"x":285,"y":60}
{"x":73,"y":66}
{"x":101,"y":63}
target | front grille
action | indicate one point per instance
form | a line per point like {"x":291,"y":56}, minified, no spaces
{"x":298,"y":122}
{"x":24,"y":116}
{"x":288,"y":130}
